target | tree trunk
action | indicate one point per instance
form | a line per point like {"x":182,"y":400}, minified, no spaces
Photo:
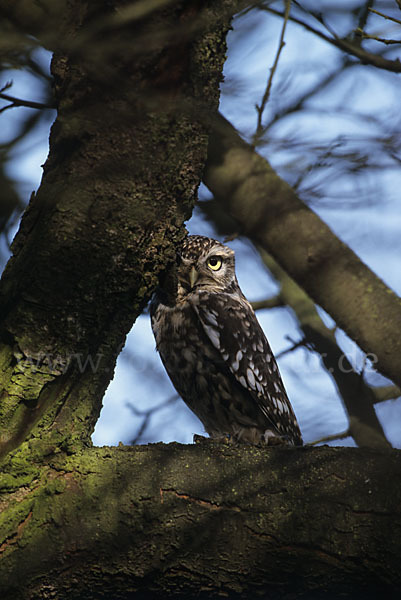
{"x":206,"y":521}
{"x":126,"y":156}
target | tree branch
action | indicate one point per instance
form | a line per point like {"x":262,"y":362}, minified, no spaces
{"x":387,"y":17}
{"x":147,"y":416}
{"x":171,"y":520}
{"x":273,"y":302}
{"x":260,"y":109}
{"x":19,"y":102}
{"x":385,"y":392}
{"x":355,"y":50}
{"x":267,"y":210}
{"x":331,"y":438}
{"x":357,"y":396}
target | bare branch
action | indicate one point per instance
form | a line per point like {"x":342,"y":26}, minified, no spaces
{"x":19,"y":101}
{"x":138,"y":10}
{"x":260,"y":109}
{"x":273,"y":302}
{"x":362,"y":21}
{"x":299,"y":102}
{"x":363,"y":55}
{"x":386,"y":392}
{"x":377,"y":12}
{"x":147,"y":415}
{"x":15,"y":102}
{"x":368,"y":36}
{"x":330,"y":438}
{"x":294,"y":346}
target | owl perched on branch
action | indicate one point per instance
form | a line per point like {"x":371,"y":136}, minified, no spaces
{"x":215,"y":351}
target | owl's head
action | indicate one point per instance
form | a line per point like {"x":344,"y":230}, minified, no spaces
{"x":205,"y":264}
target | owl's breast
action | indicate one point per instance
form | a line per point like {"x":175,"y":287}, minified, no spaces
{"x":183,"y":346}
{"x":170,"y":323}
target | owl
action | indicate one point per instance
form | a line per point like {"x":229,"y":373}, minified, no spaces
{"x":215,"y":351}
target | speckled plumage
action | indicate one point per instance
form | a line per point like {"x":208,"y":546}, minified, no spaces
{"x":216,"y":353}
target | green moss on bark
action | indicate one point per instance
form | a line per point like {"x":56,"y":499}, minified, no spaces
{"x":169,"y":520}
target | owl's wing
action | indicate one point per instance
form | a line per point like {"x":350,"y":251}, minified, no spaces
{"x":232,"y":327}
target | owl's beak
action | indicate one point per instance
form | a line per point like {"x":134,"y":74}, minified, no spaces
{"x":193,"y":276}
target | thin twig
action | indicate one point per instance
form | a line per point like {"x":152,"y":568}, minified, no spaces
{"x":19,"y":102}
{"x":147,"y":415}
{"x":377,"y":12}
{"x":393,"y":66}
{"x":367,"y":36}
{"x":260,"y":109}
{"x":6,"y":86}
{"x":331,"y":438}
{"x":294,"y":346}
{"x":301,"y":100}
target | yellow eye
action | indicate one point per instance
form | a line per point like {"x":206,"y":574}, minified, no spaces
{"x":214,"y":263}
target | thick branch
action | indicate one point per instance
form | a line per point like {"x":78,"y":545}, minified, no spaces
{"x":356,"y":394}
{"x":203,"y":521}
{"x":267,"y":210}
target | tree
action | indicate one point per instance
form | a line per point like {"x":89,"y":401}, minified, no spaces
{"x":136,"y":90}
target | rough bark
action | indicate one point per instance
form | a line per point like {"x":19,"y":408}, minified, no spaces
{"x":202,"y":521}
{"x":267,"y":210}
{"x":126,"y":156}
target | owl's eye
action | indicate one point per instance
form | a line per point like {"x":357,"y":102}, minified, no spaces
{"x":214,"y":263}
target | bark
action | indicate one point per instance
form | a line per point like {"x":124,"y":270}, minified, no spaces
{"x":267,"y":210}
{"x":126,"y":156}
{"x":202,"y":521}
